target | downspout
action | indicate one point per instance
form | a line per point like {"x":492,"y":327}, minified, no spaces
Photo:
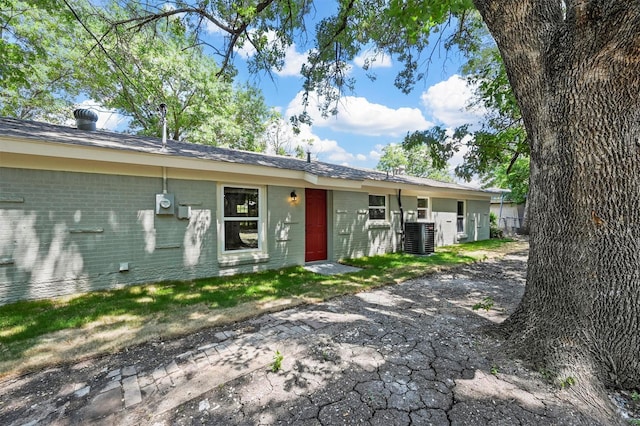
{"x":163,"y":114}
{"x":500,"y":214}
{"x":401,"y":220}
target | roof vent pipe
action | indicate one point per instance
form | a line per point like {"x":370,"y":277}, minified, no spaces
{"x":85,"y":119}
{"x":163,"y":114}
{"x":308,"y":156}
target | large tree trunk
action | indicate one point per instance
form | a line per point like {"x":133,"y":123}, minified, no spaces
{"x":577,"y":79}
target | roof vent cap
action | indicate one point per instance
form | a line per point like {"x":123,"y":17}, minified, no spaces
{"x":85,"y":119}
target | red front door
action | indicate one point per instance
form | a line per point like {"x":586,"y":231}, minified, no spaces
{"x":316,"y":224}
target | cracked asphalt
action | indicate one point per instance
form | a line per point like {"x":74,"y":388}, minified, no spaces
{"x":407,"y":354}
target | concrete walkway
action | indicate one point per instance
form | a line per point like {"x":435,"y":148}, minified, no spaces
{"x":330,"y":268}
{"x":409,"y":354}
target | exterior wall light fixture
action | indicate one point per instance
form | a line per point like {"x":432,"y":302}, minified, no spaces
{"x":293,"y":195}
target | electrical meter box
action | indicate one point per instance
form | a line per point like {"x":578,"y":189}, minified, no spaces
{"x":165,"y":204}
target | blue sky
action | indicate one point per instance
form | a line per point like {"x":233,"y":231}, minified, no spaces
{"x":375,"y":115}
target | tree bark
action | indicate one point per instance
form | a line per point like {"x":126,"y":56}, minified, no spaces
{"x":576,"y":75}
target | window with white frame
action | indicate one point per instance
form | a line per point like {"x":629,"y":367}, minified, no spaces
{"x":377,"y":207}
{"x":460,"y":217}
{"x":241,"y":218}
{"x":423,"y":208}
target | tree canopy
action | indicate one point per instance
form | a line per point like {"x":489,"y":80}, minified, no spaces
{"x":37,"y":57}
{"x":162,"y":63}
{"x":55,"y":60}
{"x":415,"y":161}
{"x":268,"y":27}
{"x":497,"y":151}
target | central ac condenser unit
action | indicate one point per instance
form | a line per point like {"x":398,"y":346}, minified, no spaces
{"x":419,"y":237}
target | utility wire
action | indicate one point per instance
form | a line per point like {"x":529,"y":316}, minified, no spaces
{"x":104,"y":50}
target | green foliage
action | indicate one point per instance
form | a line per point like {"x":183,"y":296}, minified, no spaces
{"x":276,"y":364}
{"x":486,"y":304}
{"x":420,"y":164}
{"x":546,"y":374}
{"x":396,"y":28}
{"x":635,"y":396}
{"x":149,"y":55}
{"x":493,"y":219}
{"x":498,"y":151}
{"x":49,"y":56}
{"x":441,"y":145}
{"x":393,"y":159}
{"x":494,"y":370}
{"x":495,"y":232}
{"x":494,"y":229}
{"x":37,"y":57}
{"x":567,"y":382}
{"x":516,"y":179}
{"x":412,"y":161}
{"x":162,"y":63}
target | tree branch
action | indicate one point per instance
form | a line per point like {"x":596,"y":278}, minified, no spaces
{"x":234,"y":31}
{"x":512,"y":162}
{"x":141,"y":21}
{"x":235,"y":35}
{"x":99,"y":43}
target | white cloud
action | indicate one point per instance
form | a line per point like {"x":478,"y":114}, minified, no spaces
{"x":246,"y":50}
{"x":329,"y":150}
{"x":324,"y":149}
{"x":376,"y":153}
{"x":458,"y":157}
{"x":293,"y":62}
{"x":318,"y":146}
{"x":448,"y":102}
{"x":212,"y":28}
{"x":359,"y":116}
{"x":293,"y":59}
{"x":375,"y":60}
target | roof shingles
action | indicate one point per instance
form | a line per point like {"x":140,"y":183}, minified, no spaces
{"x":71,"y":136}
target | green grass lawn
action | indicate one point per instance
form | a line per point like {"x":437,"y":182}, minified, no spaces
{"x":24,"y":324}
